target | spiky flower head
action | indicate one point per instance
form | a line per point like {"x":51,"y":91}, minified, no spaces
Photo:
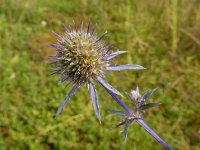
{"x":83,"y":58}
{"x":140,"y":102}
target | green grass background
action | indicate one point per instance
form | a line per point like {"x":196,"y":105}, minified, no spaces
{"x":161,"y":35}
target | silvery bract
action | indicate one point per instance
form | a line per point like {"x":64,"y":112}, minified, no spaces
{"x":140,"y":102}
{"x":84,"y":58}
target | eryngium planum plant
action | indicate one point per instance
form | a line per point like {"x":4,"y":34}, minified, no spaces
{"x":83,"y":57}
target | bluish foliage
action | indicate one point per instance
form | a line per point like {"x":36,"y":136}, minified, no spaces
{"x":82,"y":58}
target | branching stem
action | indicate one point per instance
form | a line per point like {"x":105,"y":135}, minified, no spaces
{"x":152,"y":133}
{"x":140,"y":121}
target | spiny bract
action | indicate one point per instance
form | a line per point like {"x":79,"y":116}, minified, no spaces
{"x":81,"y":58}
{"x":140,"y":102}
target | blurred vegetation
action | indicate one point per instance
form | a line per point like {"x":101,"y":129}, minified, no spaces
{"x":161,"y":35}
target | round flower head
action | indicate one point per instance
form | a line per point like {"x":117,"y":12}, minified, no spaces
{"x":83,"y":58}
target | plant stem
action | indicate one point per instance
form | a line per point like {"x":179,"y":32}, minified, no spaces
{"x":118,"y":100}
{"x":140,"y":121}
{"x":150,"y":131}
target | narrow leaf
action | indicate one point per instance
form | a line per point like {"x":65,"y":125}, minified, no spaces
{"x":117,"y":112}
{"x":148,"y":93}
{"x":81,"y":28}
{"x":58,"y":36}
{"x":119,"y":124}
{"x":149,"y":105}
{"x":75,"y":25}
{"x":101,"y":37}
{"x":126,"y":126}
{"x":93,"y":96}
{"x":108,"y":86}
{"x":68,"y":96}
{"x":137,"y":90}
{"x":132,"y":98}
{"x":88,"y":28}
{"x":66,"y":28}
{"x":124,"y":67}
{"x":54,"y":46}
{"x":112,"y":55}
{"x":63,"y":79}
{"x":93,"y":29}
